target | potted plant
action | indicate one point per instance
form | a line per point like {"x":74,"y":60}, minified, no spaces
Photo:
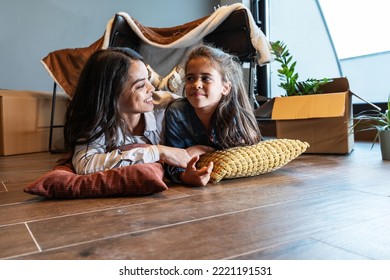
{"x":380,"y":122}
{"x":316,"y":111}
{"x":288,"y":75}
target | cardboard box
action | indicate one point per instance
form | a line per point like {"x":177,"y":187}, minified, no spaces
{"x":323,"y":120}
{"x":25,"y":121}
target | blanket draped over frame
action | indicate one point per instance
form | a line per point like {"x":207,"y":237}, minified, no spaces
{"x":162,"y":48}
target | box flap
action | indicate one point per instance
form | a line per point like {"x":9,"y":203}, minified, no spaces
{"x":265,"y":110}
{"x":340,"y":84}
{"x":310,"y":106}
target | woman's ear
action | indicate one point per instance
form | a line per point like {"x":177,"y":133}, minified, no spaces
{"x":227,"y":86}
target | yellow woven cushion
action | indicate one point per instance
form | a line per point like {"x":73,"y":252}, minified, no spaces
{"x":266,"y":156}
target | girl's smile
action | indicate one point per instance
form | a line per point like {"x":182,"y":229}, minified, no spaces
{"x":204,"y":86}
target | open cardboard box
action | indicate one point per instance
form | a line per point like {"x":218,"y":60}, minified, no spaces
{"x":323,"y":120}
{"x":25,"y":121}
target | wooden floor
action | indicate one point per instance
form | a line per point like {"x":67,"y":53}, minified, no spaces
{"x":316,"y":207}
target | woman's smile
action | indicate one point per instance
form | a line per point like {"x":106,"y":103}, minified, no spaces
{"x":149,"y":100}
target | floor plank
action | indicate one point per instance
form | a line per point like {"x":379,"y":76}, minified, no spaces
{"x":16,"y":240}
{"x":316,"y":207}
{"x":219,"y":234}
{"x":369,"y":238}
{"x":302,"y":249}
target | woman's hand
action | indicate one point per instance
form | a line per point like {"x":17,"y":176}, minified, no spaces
{"x":196,"y":178}
{"x":198,"y":150}
{"x":174,"y":156}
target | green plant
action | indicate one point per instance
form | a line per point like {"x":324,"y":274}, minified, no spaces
{"x":289,"y":76}
{"x":373,"y":120}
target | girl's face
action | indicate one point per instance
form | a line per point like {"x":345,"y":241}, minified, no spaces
{"x":204,"y":87}
{"x":137,"y":95}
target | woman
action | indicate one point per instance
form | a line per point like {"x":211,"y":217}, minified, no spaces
{"x":112,"y":107}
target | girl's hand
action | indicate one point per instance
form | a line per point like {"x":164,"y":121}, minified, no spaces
{"x":196,"y":178}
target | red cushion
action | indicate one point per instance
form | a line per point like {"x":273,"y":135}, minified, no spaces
{"x":63,"y":182}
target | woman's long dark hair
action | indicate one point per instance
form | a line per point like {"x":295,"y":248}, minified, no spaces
{"x":93,"y":109}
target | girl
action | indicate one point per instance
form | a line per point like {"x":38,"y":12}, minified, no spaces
{"x":113,"y":106}
{"x":216,"y":111}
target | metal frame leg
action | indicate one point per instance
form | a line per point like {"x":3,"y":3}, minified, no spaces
{"x":52,"y":126}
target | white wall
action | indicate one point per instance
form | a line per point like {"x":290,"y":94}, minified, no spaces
{"x":368,"y":76}
{"x":299,"y":25}
{"x":30,"y":29}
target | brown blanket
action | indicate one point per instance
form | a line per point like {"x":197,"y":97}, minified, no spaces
{"x":164,"y":45}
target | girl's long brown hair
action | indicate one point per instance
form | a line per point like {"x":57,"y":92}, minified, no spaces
{"x":234,"y":116}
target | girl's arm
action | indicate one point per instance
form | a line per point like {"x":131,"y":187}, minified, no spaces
{"x":173,"y":138}
{"x":174,"y":134}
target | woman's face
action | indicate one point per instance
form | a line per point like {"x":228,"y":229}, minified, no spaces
{"x":137,"y":95}
{"x":204,"y":87}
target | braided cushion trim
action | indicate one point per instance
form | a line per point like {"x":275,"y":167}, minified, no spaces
{"x":266,"y":156}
